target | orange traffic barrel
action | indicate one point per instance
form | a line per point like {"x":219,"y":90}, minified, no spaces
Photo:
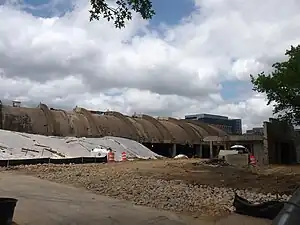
{"x":252,"y":160}
{"x":110,"y":156}
{"x":124,"y":158}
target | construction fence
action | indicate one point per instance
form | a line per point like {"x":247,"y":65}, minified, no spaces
{"x":34,"y":161}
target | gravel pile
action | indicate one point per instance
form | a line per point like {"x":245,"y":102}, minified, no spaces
{"x":174,"y":195}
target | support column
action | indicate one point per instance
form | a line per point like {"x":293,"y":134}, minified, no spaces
{"x":173,"y":152}
{"x":227,"y":146}
{"x":218,"y":149}
{"x":199,"y":150}
{"x":265,"y":158}
{"x":211,"y":149}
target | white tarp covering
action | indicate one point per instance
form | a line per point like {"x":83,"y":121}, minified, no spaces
{"x":224,"y":153}
{"x":181,"y":156}
{"x":118,"y":145}
{"x":237,"y":146}
{"x":100,"y":151}
{"x":15,"y":145}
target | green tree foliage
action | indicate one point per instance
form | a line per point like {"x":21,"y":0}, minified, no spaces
{"x":282,"y":86}
{"x":122,"y":12}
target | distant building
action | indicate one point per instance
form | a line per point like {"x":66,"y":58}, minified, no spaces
{"x":256,"y":130}
{"x":231,"y":126}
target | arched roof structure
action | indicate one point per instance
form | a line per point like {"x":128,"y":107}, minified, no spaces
{"x":84,"y":123}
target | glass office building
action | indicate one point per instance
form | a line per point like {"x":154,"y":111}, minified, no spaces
{"x":231,"y":126}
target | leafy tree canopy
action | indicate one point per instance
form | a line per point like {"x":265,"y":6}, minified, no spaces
{"x":122,"y":12}
{"x":282,"y":86}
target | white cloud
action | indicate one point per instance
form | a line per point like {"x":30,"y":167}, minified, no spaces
{"x":69,"y":61}
{"x":243,"y":67}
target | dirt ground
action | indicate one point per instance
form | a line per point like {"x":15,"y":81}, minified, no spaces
{"x":48,"y":203}
{"x":273,"y":179}
{"x":188,"y":186}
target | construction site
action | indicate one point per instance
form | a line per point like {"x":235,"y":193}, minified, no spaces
{"x":58,"y":146}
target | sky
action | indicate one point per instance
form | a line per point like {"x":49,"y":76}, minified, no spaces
{"x":194,"y":56}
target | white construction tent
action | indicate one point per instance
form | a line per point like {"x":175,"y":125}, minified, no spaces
{"x":15,"y":145}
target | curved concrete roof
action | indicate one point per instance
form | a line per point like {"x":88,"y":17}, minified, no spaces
{"x":83,"y":123}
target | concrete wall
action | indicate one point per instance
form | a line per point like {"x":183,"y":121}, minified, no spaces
{"x":258,"y":151}
{"x":279,"y":143}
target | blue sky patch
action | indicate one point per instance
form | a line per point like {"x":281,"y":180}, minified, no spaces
{"x":36,"y":2}
{"x":171,"y":12}
{"x":46,"y":8}
{"x":113,"y":93}
{"x":236,"y":90}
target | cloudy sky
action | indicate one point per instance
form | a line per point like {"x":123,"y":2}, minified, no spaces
{"x":195,"y":56}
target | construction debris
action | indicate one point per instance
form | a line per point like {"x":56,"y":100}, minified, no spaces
{"x":216,"y":162}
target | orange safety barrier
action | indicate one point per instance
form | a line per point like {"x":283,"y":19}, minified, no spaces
{"x":110,"y":156}
{"x":252,"y":160}
{"x":124,"y":158}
